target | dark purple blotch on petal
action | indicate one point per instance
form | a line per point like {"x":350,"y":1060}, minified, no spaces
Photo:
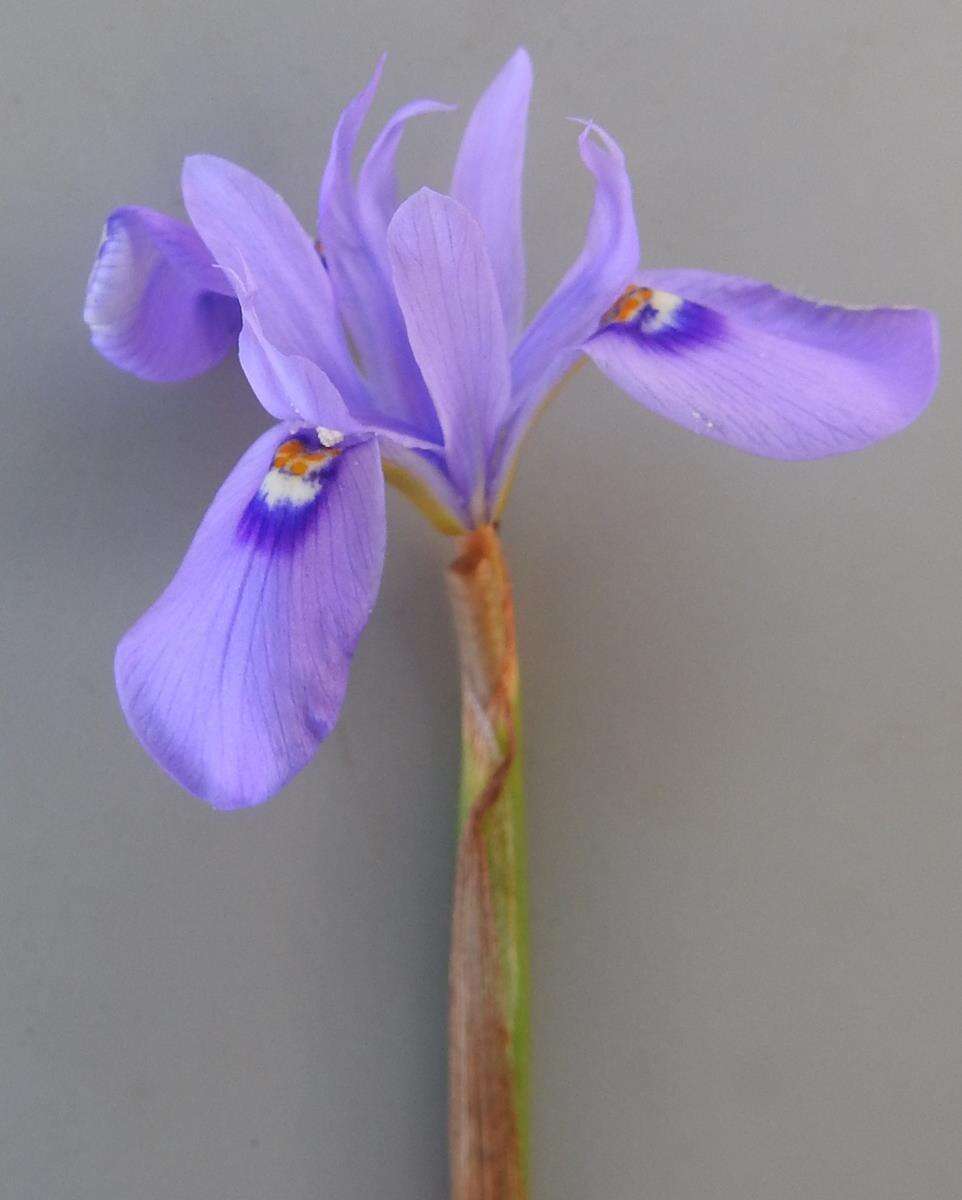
{"x":291,"y":493}
{"x":238,"y":671}
{"x":764,"y":371}
{"x":663,"y":323}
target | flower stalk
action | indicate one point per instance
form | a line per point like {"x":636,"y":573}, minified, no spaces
{"x":488,"y":980}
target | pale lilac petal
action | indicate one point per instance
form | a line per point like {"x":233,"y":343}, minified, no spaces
{"x":361,"y":282}
{"x":608,"y":260}
{"x":238,"y":671}
{"x":767,"y":372}
{"x":449,"y":297}
{"x":377,"y":195}
{"x":487,"y":178}
{"x":832,"y":327}
{"x":156,"y":305}
{"x":259,"y":242}
{"x":291,"y":387}
{"x":294,"y":388}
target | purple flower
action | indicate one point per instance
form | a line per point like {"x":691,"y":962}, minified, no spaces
{"x":238,"y":671}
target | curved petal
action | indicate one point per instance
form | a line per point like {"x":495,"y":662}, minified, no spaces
{"x":361,"y":283}
{"x":238,"y":671}
{"x":609,"y":258}
{"x":259,"y":242}
{"x":767,"y":372}
{"x":290,"y":386}
{"x":487,"y":178}
{"x":377,"y":182}
{"x":295,"y":389}
{"x":156,"y":305}
{"x":449,"y":298}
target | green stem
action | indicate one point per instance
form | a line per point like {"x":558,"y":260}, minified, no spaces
{"x":489,"y":998}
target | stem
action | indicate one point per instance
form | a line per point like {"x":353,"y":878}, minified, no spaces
{"x":488,"y":1014}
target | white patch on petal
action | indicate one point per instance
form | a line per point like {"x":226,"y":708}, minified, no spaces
{"x":659,"y":312}
{"x":329,"y":437}
{"x":280,"y":487}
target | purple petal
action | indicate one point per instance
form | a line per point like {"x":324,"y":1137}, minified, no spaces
{"x":487,"y":178}
{"x":449,"y":297}
{"x":361,"y":282}
{"x":258,"y":241}
{"x":552,"y":342}
{"x":295,"y":389}
{"x":377,"y":182}
{"x":156,"y":304}
{"x":289,"y":386}
{"x":238,"y":671}
{"x":765,"y":371}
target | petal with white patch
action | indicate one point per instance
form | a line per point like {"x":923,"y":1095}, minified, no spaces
{"x":767,"y":372}
{"x":238,"y":671}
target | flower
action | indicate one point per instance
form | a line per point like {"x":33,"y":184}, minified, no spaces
{"x":237,"y":673}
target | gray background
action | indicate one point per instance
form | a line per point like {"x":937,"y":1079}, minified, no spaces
{"x":742,"y":677}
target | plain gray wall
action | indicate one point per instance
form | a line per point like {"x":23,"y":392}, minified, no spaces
{"x":742,"y":678}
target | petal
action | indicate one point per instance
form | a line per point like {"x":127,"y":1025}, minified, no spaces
{"x":238,"y":671}
{"x":156,"y":304}
{"x":767,"y":372}
{"x":259,"y":242}
{"x":487,"y":178}
{"x":290,"y":386}
{"x":377,"y":182}
{"x":449,"y":297}
{"x":295,"y":389}
{"x":609,"y":258}
{"x":361,"y":282}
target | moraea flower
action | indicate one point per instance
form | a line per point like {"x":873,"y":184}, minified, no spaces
{"x":238,"y":671}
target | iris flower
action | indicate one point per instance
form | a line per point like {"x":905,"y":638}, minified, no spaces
{"x":395,"y":345}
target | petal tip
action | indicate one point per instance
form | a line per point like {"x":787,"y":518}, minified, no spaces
{"x":194,"y":164}
{"x":154,"y":303}
{"x":930,"y":337}
{"x":423,"y":198}
{"x":520,"y":61}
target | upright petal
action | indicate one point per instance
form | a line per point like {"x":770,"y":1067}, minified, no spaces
{"x":552,"y":342}
{"x":259,"y":242}
{"x":487,"y":178}
{"x":238,"y":671}
{"x":765,"y":371}
{"x":361,"y":284}
{"x":156,"y":304}
{"x":377,"y":183}
{"x":606,"y":263}
{"x":449,"y":297}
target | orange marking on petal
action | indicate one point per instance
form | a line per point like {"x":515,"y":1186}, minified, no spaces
{"x":293,"y":457}
{"x":320,"y":456}
{"x":286,"y":452}
{"x":628,"y":305}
